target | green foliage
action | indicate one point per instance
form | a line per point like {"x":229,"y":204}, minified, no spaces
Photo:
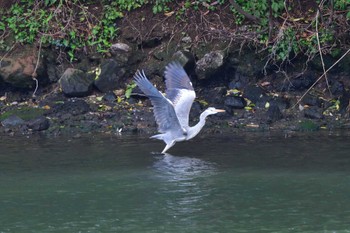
{"x":57,"y":22}
{"x":74,"y":25}
{"x":259,"y":9}
{"x":160,"y":6}
{"x":129,"y":88}
{"x":343,"y":5}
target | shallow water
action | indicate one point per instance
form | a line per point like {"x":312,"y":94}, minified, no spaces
{"x":211,"y":184}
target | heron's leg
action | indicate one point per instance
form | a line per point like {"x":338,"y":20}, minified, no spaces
{"x":168,"y":145}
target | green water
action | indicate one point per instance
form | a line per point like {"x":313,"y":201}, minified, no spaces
{"x":211,"y":184}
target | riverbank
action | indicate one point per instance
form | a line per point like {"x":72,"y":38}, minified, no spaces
{"x":42,"y":92}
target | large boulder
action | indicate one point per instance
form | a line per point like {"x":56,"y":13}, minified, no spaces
{"x":111,"y":73}
{"x":19,"y":71}
{"x":210,"y":64}
{"x":236,"y":102}
{"x":76,"y":83}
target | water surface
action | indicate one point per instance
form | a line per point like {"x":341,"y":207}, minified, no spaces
{"x":211,"y":184}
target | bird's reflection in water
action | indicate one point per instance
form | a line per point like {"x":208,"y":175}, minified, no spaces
{"x":186,"y":183}
{"x":176,"y":168}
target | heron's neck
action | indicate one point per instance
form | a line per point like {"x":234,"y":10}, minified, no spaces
{"x":194,"y":130}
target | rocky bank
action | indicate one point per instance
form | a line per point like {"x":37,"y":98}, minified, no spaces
{"x":43,"y":93}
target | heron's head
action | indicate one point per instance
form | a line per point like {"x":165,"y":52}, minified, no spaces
{"x":211,"y":110}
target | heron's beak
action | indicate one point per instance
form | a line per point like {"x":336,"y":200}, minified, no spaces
{"x":220,"y":110}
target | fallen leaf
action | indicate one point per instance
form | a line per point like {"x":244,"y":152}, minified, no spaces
{"x":168,"y":14}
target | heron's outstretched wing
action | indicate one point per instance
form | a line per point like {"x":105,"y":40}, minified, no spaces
{"x":179,"y":91}
{"x":163,"y":108}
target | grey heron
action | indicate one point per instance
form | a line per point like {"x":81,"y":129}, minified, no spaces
{"x":172,"y":110}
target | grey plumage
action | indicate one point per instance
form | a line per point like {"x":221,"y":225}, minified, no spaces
{"x":172,"y":111}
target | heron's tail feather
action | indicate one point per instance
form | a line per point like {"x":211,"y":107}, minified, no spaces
{"x":158,"y":136}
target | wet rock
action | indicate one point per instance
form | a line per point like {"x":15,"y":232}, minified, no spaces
{"x":18,"y":71}
{"x":210,"y":64}
{"x":235,"y":102}
{"x":110,"y":97}
{"x":313,"y":113}
{"x":39,"y":124}
{"x":273,"y":113}
{"x":12,"y":120}
{"x":111,"y":73}
{"x":75,"y":83}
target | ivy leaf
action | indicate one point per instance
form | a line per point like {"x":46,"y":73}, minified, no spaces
{"x":129,"y":89}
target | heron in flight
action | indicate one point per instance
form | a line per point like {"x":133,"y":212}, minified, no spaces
{"x":172,"y":110}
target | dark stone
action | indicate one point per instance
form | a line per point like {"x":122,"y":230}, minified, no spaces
{"x":313,"y":113}
{"x":214,"y":95}
{"x":210,"y":64}
{"x":12,"y":120}
{"x":254,"y":93}
{"x":110,"y":97}
{"x":303,"y":82}
{"x":299,"y":83}
{"x":235,"y":102}
{"x":111,"y":73}
{"x":18,"y":70}
{"x":39,"y":124}
{"x":280,"y":102}
{"x":75,"y":83}
{"x":273,"y":113}
{"x":311,"y":100}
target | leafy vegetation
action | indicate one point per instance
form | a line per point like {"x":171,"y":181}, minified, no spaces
{"x":71,"y":25}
